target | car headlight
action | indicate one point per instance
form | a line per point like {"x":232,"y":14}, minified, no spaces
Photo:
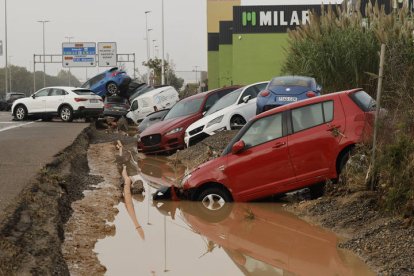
{"x":175,"y":130}
{"x":215,"y":121}
{"x":186,"y":177}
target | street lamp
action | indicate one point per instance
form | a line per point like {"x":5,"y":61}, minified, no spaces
{"x":153,"y":46}
{"x":5,"y":45}
{"x":147,"y":39}
{"x":162,"y":35}
{"x":44,"y":50}
{"x":196,"y":72}
{"x":10,"y":75}
{"x":69,"y":38}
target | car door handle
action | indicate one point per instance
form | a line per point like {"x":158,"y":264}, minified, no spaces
{"x":332,"y":127}
{"x":278,"y":145}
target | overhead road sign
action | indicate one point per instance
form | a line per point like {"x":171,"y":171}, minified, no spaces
{"x":107,"y":54}
{"x":79,"y":54}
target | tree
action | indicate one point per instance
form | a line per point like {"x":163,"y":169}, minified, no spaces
{"x":170,"y":77}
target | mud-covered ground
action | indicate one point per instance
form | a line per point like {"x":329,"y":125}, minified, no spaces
{"x":385,"y":242}
{"x":32,"y":228}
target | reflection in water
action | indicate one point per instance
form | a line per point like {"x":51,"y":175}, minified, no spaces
{"x":250,"y":239}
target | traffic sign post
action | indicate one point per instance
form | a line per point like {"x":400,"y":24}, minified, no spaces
{"x":79,"y":54}
{"x":107,"y":54}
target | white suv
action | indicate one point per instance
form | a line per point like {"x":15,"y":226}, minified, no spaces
{"x":66,"y":102}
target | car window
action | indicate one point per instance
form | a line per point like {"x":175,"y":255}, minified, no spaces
{"x":184,"y":107}
{"x":83,"y":92}
{"x":224,"y":102}
{"x":251,"y":91}
{"x":328,"y":111}
{"x":363,"y":100}
{"x":307,"y":116}
{"x":224,"y":92}
{"x":261,"y":86}
{"x":134,"y":105}
{"x":292,"y":81}
{"x":211,"y":100}
{"x":263,"y":130}
{"x":56,"y":92}
{"x":42,"y":93}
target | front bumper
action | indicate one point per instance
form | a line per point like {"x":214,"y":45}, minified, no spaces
{"x":168,"y":143}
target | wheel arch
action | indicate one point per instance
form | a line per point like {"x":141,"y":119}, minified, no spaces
{"x":20,"y":104}
{"x":199,"y":189}
{"x":346,"y":150}
{"x":64,"y":104}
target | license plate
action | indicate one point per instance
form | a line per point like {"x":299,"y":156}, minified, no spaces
{"x":93,"y":101}
{"x":287,"y":99}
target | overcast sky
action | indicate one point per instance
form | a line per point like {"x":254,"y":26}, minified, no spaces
{"x":122,"y":21}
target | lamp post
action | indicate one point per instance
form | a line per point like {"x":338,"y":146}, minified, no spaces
{"x":162,"y":35}
{"x":147,"y":40}
{"x":196,"y":73}
{"x":153,"y":46}
{"x":44,"y":51}
{"x":69,"y":38}
{"x":10,"y":74}
{"x":5,"y":46}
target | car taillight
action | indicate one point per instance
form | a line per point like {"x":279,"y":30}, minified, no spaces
{"x":115,"y":74}
{"x":108,"y":105}
{"x":310,"y":94}
{"x":264,"y":93}
{"x":80,"y":99}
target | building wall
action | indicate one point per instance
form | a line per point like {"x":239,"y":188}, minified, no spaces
{"x":226,"y":65}
{"x":213,"y":69}
{"x":257,"y":57}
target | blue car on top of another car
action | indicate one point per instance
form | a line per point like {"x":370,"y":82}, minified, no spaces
{"x":286,"y":89}
{"x":112,"y":82}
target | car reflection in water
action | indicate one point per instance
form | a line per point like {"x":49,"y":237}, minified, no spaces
{"x":262,"y":239}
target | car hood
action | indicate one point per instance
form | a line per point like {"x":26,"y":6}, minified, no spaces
{"x":204,"y":120}
{"x":289,"y":90}
{"x":21,"y":100}
{"x":167,"y":125}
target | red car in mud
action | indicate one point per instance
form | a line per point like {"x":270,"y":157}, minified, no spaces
{"x":284,"y":149}
{"x":168,"y":135}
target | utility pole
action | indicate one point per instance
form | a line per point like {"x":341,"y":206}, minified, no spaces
{"x":196,"y":72}
{"x":10,"y":75}
{"x":44,"y":51}
{"x":153,"y":46}
{"x":69,"y":38}
{"x":147,"y":40}
{"x":6,"y":66}
{"x":163,"y":46}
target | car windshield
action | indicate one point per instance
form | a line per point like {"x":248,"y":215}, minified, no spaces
{"x":224,"y":102}
{"x":83,"y":92}
{"x":364,"y":101}
{"x":141,"y":90}
{"x":184,"y":108}
{"x":291,"y":81}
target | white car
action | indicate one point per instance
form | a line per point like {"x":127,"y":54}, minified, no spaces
{"x":66,"y":102}
{"x":154,"y":100}
{"x":231,"y":112}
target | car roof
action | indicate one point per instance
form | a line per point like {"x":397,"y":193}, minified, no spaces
{"x":206,"y":93}
{"x":306,"y":102}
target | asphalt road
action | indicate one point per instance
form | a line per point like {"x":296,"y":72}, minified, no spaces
{"x":26,"y":147}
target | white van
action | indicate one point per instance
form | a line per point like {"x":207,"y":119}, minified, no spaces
{"x":157,"y":99}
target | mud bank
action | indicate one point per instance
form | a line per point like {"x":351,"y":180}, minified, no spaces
{"x":31,"y":229}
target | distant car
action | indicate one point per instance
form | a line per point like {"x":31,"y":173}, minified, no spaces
{"x":168,"y":135}
{"x":66,"y":102}
{"x":150,"y":101}
{"x":291,"y":147}
{"x":286,"y":89}
{"x":6,"y":104}
{"x":152,"y":119}
{"x":231,"y":112}
{"x":111,"y":82}
{"x":115,"y":106}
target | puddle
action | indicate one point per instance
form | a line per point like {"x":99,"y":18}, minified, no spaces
{"x":181,"y":238}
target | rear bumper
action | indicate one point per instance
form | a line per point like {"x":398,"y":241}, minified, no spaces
{"x":88,"y":112}
{"x":115,"y":113}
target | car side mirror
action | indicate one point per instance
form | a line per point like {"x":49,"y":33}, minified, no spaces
{"x":238,"y":147}
{"x":204,"y":113}
{"x":319,"y":88}
{"x":34,"y":96}
{"x":247,"y":98}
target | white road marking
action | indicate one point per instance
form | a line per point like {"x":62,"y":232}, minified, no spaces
{"x":11,"y":127}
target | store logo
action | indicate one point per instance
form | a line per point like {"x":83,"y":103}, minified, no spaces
{"x":249,"y":17}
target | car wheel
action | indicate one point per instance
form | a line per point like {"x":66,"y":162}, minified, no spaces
{"x":112,"y":88}
{"x":66,"y":113}
{"x":317,"y":190}
{"x":20,"y":113}
{"x":214,"y":204}
{"x":237,"y":122}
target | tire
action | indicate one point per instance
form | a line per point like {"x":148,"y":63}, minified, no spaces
{"x":317,"y":190}
{"x":20,"y":113}
{"x":66,"y":113}
{"x":237,"y":122}
{"x":112,"y":89}
{"x":214,"y":204}
{"x":342,"y":161}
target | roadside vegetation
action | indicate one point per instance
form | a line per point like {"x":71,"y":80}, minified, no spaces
{"x":341,"y":50}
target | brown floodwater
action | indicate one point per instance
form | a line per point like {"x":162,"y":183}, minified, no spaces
{"x":183,"y":238}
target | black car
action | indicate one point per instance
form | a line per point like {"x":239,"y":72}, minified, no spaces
{"x":6,"y":104}
{"x":115,"y":106}
{"x":151,"y":119}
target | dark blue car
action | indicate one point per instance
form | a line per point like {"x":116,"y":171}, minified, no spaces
{"x":286,"y":89}
{"x":111,"y":82}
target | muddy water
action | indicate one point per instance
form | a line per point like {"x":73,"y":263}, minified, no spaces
{"x":182,"y":238}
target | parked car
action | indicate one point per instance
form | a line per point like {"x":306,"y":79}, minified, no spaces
{"x":150,"y":101}
{"x":168,"y":135}
{"x":151,"y":119}
{"x":288,"y":148}
{"x":7,"y":102}
{"x":115,"y":106}
{"x":111,"y":82}
{"x":66,"y":102}
{"x":232,"y":111}
{"x":286,"y":89}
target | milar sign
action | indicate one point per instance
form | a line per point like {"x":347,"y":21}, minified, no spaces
{"x":271,"y":19}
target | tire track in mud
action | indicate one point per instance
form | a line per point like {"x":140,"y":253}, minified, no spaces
{"x":89,"y":221}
